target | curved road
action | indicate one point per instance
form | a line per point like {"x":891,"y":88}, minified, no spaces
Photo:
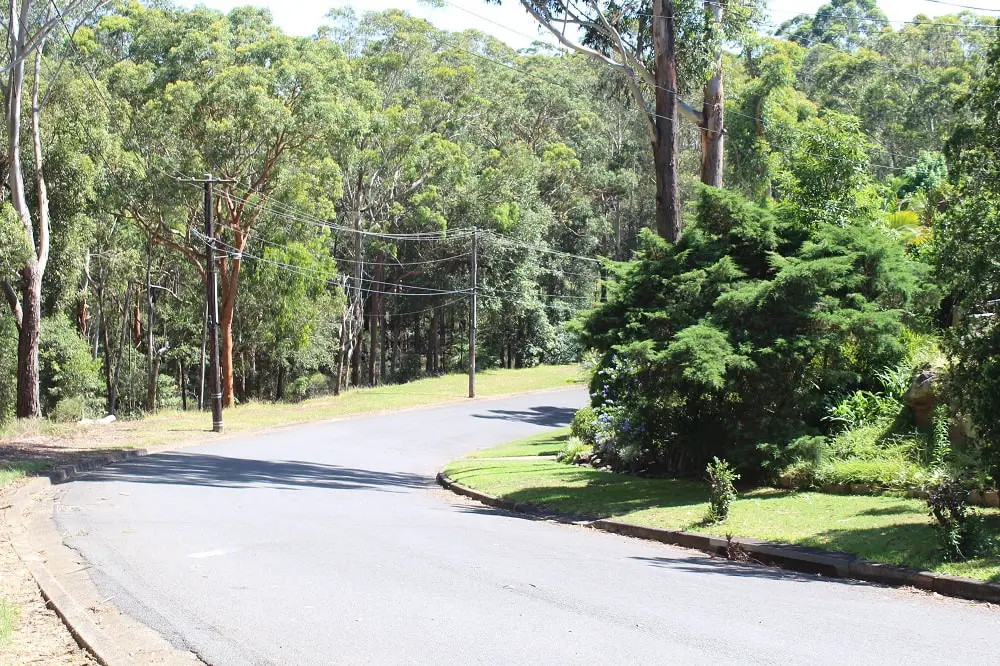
{"x":330,"y":543}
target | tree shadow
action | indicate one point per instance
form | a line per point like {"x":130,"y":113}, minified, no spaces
{"x":194,"y":469}
{"x":894,"y":510}
{"x":913,"y":545}
{"x":718,"y":566}
{"x":603,"y":495}
{"x":552,"y":417}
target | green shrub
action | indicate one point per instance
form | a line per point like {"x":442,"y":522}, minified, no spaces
{"x":307,"y":386}
{"x":573,"y":450}
{"x":802,"y":459}
{"x":298,"y":389}
{"x":884,"y":473}
{"x":941,"y":439}
{"x":70,"y":410}
{"x":584,"y":425}
{"x":721,"y":477}
{"x":66,"y":368}
{"x":862,"y":408}
{"x":743,"y":331}
{"x":960,"y":528}
{"x":8,"y":368}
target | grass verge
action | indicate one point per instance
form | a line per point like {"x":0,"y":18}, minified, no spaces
{"x":29,"y":446}
{"x":885,"y":528}
{"x":17,"y":470}
{"x":8,"y":620}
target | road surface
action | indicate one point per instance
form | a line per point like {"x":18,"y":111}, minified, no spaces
{"x":330,"y":543}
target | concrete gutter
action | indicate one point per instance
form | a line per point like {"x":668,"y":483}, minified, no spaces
{"x":796,"y":558}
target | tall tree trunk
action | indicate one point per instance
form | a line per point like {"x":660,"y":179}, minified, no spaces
{"x":339,"y":369}
{"x":152,"y":358}
{"x":374,"y":324}
{"x":154,"y":377}
{"x":668,"y":200}
{"x":432,"y":343}
{"x":182,"y":384}
{"x":28,"y":399}
{"x":712,"y":129}
{"x":27,"y":313}
{"x":230,"y":288}
{"x":82,"y":316}
{"x":383,"y":349}
{"x":228,"y":379}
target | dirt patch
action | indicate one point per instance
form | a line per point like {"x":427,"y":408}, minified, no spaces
{"x":39,"y":636}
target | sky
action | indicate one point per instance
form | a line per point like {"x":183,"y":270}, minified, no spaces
{"x":517,"y":28}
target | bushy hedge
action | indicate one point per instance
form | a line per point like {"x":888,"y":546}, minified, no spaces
{"x":738,"y":337}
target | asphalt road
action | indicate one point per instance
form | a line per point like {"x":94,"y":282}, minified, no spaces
{"x":330,"y":543}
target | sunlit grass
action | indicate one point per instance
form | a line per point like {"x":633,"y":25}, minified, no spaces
{"x":9,"y":615}
{"x":885,"y":528}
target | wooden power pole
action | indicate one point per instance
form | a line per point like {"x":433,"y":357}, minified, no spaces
{"x":212,"y":296}
{"x":472,"y":316}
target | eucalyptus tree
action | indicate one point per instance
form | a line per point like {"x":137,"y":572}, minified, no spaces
{"x":642,"y":42}
{"x":230,"y":95}
{"x":29,"y":25}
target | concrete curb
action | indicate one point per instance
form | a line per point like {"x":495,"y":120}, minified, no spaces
{"x":84,"y":630}
{"x":40,"y":547}
{"x":65,"y":473}
{"x":795,"y":558}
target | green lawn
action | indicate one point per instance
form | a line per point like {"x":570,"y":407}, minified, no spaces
{"x":8,"y":620}
{"x":539,"y":445}
{"x":890,"y":529}
{"x":176,"y":427}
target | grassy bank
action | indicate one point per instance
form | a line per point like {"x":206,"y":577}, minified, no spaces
{"x":27,"y":447}
{"x":890,"y":529}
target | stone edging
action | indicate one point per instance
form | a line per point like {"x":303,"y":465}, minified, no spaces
{"x":796,"y":558}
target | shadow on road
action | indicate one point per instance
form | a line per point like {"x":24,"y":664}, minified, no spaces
{"x":191,"y":469}
{"x":552,"y":417}
{"x":722,"y":567}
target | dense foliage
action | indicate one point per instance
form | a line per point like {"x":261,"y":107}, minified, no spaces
{"x":741,"y":334}
{"x":360,"y":165}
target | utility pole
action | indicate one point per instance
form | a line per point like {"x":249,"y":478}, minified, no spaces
{"x":204,"y":347}
{"x":212,"y":301}
{"x":212,"y":296}
{"x":472,"y":316}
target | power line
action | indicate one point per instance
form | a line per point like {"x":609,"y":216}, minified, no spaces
{"x":388,"y":261}
{"x":290,"y":213}
{"x":323,"y":275}
{"x":955,"y":4}
{"x":536,"y":248}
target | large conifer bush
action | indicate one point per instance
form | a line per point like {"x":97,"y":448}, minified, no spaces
{"x":733,"y":341}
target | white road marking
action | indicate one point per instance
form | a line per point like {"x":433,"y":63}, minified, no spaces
{"x":212,"y":553}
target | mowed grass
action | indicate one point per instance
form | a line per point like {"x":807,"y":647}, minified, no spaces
{"x":889,"y":529}
{"x":544,"y":444}
{"x":175,"y":428}
{"x":9,"y":615}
